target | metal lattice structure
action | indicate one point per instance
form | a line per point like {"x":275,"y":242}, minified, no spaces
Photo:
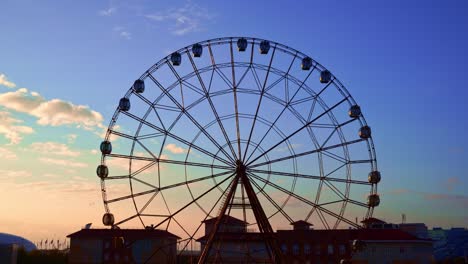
{"x":243,"y":127}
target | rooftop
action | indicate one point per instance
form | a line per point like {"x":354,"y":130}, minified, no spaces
{"x":327,"y":235}
{"x":127,"y":233}
{"x":227,"y":219}
{"x":372,"y":220}
{"x":301,"y":222}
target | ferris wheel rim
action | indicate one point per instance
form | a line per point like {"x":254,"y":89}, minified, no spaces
{"x":221,"y":41}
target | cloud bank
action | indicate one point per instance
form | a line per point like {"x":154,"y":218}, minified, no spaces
{"x":53,"y":112}
{"x":5,"y":82}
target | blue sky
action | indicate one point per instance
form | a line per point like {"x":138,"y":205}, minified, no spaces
{"x":404,"y":62}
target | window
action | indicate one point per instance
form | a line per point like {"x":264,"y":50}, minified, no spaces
{"x":306,"y":249}
{"x":317,"y":250}
{"x":342,"y":249}
{"x":284,"y":248}
{"x":295,"y":249}
{"x":330,"y":249}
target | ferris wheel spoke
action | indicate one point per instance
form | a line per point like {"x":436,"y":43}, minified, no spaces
{"x":298,"y":130}
{"x":208,"y":97}
{"x":126,"y":220}
{"x":117,"y":177}
{"x":357,"y":203}
{"x":192,"y":119}
{"x":304,"y":200}
{"x":193,"y":87}
{"x":194,"y":200}
{"x":120,"y":134}
{"x":335,"y":190}
{"x":287,"y":106}
{"x":247,"y":69}
{"x":258,"y":83}
{"x":323,"y":219}
{"x":236,"y":108}
{"x":305,"y":176}
{"x":259,"y":102}
{"x":143,"y":208}
{"x":333,"y":202}
{"x":336,"y":129}
{"x":361,"y":161}
{"x":284,"y":76}
{"x":272,"y":201}
{"x":143,"y":182}
{"x":325,"y":87}
{"x":131,"y":196}
{"x":335,"y":157}
{"x":212,"y":176}
{"x":207,"y":214}
{"x":181,"y":140}
{"x":157,"y":190}
{"x":168,"y":161}
{"x":305,"y":153}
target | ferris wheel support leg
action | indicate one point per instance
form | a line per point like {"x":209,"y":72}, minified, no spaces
{"x":206,"y":250}
{"x":264,"y":226}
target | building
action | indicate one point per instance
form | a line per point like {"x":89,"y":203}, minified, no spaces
{"x":8,"y":253}
{"x":449,"y":244}
{"x":234,"y":244}
{"x":10,"y":245}
{"x":384,"y":243}
{"x":416,"y":229}
{"x":122,"y":246}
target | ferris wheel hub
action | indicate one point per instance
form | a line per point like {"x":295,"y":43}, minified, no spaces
{"x":241,"y":169}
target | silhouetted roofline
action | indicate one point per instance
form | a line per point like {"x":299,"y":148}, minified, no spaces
{"x":372,"y":220}
{"x":229,"y":219}
{"x":301,"y":222}
{"x":129,"y":233}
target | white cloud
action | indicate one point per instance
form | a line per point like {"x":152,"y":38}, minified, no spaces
{"x":71,"y":138}
{"x":53,"y":148}
{"x":183,"y":20}
{"x":108,"y":12}
{"x":173,"y":148}
{"x":6,"y":154}
{"x":10,"y":174}
{"x":50,"y":175}
{"x":62,"y":162}
{"x":5,"y":82}
{"x":123,"y":33}
{"x":126,"y":34}
{"x":10,"y":128}
{"x":53,"y":112}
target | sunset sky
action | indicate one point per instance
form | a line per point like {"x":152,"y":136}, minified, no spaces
{"x":64,"y":65}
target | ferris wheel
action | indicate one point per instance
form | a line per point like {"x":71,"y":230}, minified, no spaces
{"x":243,"y":127}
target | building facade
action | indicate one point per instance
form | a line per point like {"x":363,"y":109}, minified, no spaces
{"x":122,"y":246}
{"x":384,"y":243}
{"x":450,"y":244}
